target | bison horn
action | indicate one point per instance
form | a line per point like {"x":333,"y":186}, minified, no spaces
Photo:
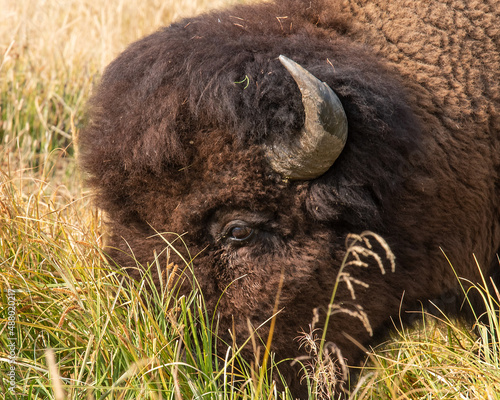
{"x":323,"y":137}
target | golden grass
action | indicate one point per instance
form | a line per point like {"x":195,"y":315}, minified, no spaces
{"x":72,"y":35}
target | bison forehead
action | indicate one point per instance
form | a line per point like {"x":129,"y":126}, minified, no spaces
{"x":228,"y":178}
{"x":176,"y":84}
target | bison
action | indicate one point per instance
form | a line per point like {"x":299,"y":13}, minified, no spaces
{"x":264,"y":135}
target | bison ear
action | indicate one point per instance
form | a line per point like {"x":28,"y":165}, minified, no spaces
{"x":323,"y":137}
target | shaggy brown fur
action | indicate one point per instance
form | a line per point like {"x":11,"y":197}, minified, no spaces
{"x":179,"y":121}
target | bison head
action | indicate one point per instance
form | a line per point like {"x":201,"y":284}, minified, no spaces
{"x":202,"y":134}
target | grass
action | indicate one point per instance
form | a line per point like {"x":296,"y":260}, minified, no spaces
{"x":443,"y":359}
{"x":80,"y":332}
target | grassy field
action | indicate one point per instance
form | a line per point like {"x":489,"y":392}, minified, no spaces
{"x":69,"y":327}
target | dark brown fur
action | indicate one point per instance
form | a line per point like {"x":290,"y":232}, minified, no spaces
{"x":177,"y":125}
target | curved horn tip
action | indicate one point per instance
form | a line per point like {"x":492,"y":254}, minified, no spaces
{"x":292,"y":67}
{"x":323,"y":136}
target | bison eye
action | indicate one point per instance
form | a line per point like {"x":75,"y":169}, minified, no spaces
{"x":239,"y":231}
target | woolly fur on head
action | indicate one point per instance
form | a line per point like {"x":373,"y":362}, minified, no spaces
{"x":220,"y":72}
{"x":178,"y":123}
